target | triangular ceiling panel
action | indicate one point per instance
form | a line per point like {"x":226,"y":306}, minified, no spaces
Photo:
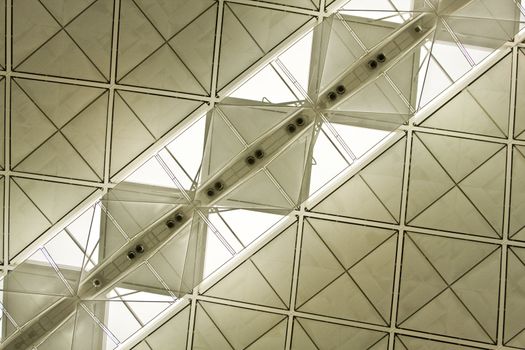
{"x":248,"y":33}
{"x":71,"y":53}
{"x":57,"y":157}
{"x":486,"y":189}
{"x":267,"y":27}
{"x":47,"y":201}
{"x":173,"y":332}
{"x":65,"y":11}
{"x":20,"y":233}
{"x":265,"y":278}
{"x":221,"y":145}
{"x":371,"y":33}
{"x":253,"y":288}
{"x":130,"y":136}
{"x":480,"y":298}
{"x":60,"y":102}
{"x":319,"y":266}
{"x":294,"y":160}
{"x":92,"y":31}
{"x":64,"y":152}
{"x":462,"y":215}
{"x":446,"y":314}
{"x":164,"y":70}
{"x":425,"y":174}
{"x":376,"y":194}
{"x":357,"y":306}
{"x":379,"y":97}
{"x":336,"y":290}
{"x":454,"y":256}
{"x":239,"y":327}
{"x":340,"y":50}
{"x":403,"y":77}
{"x":206,"y":334}
{"x":53,"y":198}
{"x":419,"y":283}
{"x":158,"y":113}
{"x":257,"y":192}
{"x":458,"y":156}
{"x":275,"y":338}
{"x":477,"y":109}
{"x":333,"y":336}
{"x":236,"y":46}
{"x":138,"y":39}
{"x":87,"y":133}
{"x":413,"y":343}
{"x":195,"y":44}
{"x":374,"y":251}
{"x":164,"y":42}
{"x":300,"y":339}
{"x":28,"y":36}
{"x":458,"y":186}
{"x":252,"y":122}
{"x":29,"y":127}
{"x":445,"y":309}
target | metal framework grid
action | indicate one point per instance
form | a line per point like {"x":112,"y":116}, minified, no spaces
{"x":394,"y":336}
{"x":110,"y":89}
{"x":414,"y":128}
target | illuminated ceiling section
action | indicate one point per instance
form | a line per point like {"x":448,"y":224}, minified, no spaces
{"x":93,"y":85}
{"x":431,"y":200}
{"x":321,"y":273}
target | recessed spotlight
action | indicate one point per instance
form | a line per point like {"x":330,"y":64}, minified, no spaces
{"x":259,"y":154}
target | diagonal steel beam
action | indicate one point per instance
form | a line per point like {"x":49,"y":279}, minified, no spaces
{"x":148,"y":242}
{"x":145,"y":244}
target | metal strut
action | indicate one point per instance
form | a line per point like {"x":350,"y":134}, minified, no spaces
{"x":150,"y":240}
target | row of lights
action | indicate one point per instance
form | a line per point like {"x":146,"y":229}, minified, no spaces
{"x":381,"y":58}
{"x":177,"y":218}
{"x":372,"y":64}
{"x":140,"y":249}
{"x":132,"y":254}
{"x":292,"y":127}
{"x":258,"y":154}
{"x":217,"y":187}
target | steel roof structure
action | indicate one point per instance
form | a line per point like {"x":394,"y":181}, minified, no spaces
{"x":280,"y":174}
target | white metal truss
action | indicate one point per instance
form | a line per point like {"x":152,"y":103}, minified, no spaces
{"x":504,"y":242}
{"x":112,"y":86}
{"x":302,"y":213}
